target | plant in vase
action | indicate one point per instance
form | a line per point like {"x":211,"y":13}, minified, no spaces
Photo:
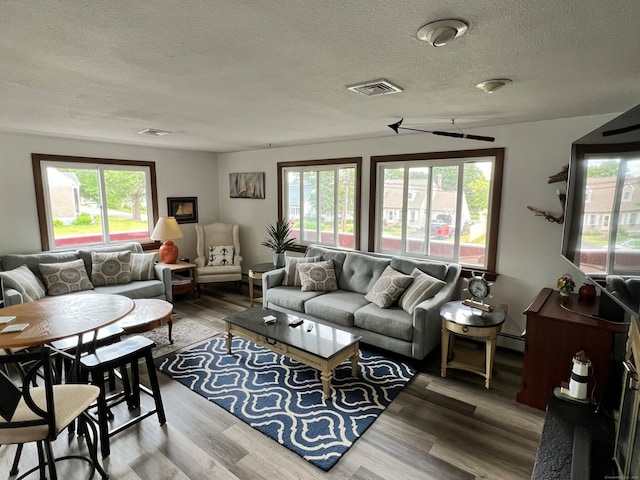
{"x":279,"y":240}
{"x":565,"y":284}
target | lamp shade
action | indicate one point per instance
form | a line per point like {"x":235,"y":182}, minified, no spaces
{"x":166,"y":230}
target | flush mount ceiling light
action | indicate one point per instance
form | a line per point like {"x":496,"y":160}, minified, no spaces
{"x":155,"y":132}
{"x":442,"y":32}
{"x":491,"y":86}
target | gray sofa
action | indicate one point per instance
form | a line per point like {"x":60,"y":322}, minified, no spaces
{"x":413,"y":335}
{"x":158,"y":287}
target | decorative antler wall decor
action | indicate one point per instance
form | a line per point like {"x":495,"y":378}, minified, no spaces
{"x":558,"y":177}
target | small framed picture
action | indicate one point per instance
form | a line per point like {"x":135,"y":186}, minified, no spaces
{"x":246,"y":185}
{"x":185,"y":209}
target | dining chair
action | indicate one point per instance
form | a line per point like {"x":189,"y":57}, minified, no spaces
{"x":40,"y":413}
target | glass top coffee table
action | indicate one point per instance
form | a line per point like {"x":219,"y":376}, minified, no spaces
{"x":316,"y":345}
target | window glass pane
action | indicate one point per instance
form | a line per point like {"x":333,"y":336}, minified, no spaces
{"x":74,"y":203}
{"x":346,"y":207}
{"x":627,"y":242}
{"x":475,"y":213}
{"x":126,"y":198}
{"x":392,"y":204}
{"x":310,"y":207}
{"x":292,"y":202}
{"x":327,"y":206}
{"x":443,"y":212}
{"x":417,"y":208}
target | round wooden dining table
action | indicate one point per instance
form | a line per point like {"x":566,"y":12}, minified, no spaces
{"x":54,"y":318}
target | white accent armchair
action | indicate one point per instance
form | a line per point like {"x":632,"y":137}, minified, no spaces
{"x":218,"y":234}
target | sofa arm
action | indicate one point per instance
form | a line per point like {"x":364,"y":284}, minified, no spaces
{"x":200,"y":262}
{"x":163,"y":273}
{"x":270,"y":279}
{"x":12,"y":297}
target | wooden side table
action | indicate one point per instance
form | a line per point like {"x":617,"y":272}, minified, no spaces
{"x":460,"y":319}
{"x":255,"y":273}
{"x":188,"y":277}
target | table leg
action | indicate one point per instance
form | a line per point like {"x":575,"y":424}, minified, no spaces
{"x":354,"y":364}
{"x":490,"y":353}
{"x":170,"y":323}
{"x":228,"y":336}
{"x":444,"y":347}
{"x":251,"y":276}
{"x":326,"y":377}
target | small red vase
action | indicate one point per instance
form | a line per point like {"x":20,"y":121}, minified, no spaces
{"x":587,"y":293}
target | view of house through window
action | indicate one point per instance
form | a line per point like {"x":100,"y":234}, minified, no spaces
{"x":437,"y":207}
{"x":91,"y":203}
{"x":320,"y":201}
{"x":610,"y":235}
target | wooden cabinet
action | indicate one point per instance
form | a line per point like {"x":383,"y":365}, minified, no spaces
{"x":557,"y":328}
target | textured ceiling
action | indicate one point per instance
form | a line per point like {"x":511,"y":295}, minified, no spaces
{"x":242,"y":74}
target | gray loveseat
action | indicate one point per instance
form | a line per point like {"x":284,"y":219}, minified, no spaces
{"x":413,"y":334}
{"x":157,"y":287}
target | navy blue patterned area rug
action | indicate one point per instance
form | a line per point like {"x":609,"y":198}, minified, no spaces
{"x":283,"y":398}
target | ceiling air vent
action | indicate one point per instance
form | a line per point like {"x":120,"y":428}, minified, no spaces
{"x":154,"y":132}
{"x":377,"y":87}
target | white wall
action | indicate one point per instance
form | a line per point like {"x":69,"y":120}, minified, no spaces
{"x":529,"y":246}
{"x":528,"y":250}
{"x":179,"y":174}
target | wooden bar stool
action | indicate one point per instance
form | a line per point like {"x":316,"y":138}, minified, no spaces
{"x":120,"y":355}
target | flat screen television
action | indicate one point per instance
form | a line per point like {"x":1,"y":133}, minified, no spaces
{"x":601,"y":231}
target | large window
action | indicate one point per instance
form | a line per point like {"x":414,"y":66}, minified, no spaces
{"x":441,"y":205}
{"x":89,"y":201}
{"x":321,"y":198}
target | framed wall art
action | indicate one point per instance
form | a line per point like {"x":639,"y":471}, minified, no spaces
{"x":246,"y":185}
{"x":185,"y":209}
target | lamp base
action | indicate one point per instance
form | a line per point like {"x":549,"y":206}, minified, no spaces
{"x":168,"y":252}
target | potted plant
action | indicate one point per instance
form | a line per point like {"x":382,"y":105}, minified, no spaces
{"x":279,"y":240}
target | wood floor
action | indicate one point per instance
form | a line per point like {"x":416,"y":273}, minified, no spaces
{"x":437,"y":428}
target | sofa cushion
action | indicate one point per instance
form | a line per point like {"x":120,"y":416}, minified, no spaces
{"x":25,"y":282}
{"x":424,"y":286}
{"x":143,"y":266}
{"x":337,"y":256}
{"x":220,"y":255}
{"x":291,"y":298}
{"x":392,"y":322}
{"x":406,"y":266}
{"x":66,"y":277}
{"x":360,"y":272}
{"x":337,"y":307}
{"x":33,"y":260}
{"x":85,"y":253}
{"x":388,"y":287}
{"x":291,"y":275}
{"x":317,"y":276}
{"x":110,"y":268}
{"x":138,"y":289}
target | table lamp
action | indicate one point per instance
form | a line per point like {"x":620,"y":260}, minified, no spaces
{"x":167,"y":229}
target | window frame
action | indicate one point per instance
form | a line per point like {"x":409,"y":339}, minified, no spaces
{"x":301,"y":246}
{"x":37,"y":159}
{"x":437,"y":158}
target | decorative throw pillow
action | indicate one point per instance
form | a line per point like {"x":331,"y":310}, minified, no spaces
{"x":143,"y":266}
{"x":110,"y":268}
{"x":65,"y":277}
{"x":220,"y":255}
{"x":388,"y":287}
{"x":291,"y":276}
{"x":25,"y":282}
{"x":317,"y":277}
{"x":423,"y":287}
